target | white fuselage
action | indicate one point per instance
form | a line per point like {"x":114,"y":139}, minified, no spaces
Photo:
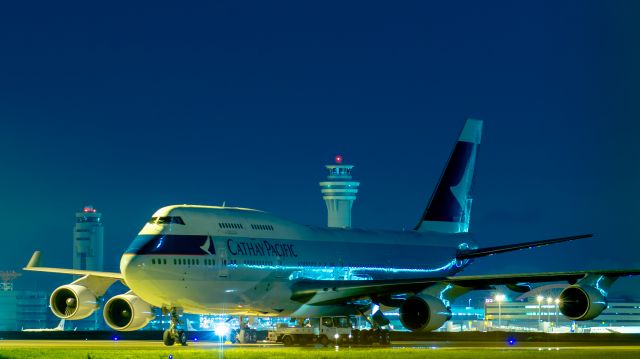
{"x":239,"y":261}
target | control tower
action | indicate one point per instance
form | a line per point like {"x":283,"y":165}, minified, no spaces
{"x":339,"y":192}
{"x":88,"y":240}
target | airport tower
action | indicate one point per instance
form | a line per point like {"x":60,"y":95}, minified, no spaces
{"x":88,"y":240}
{"x":339,"y":192}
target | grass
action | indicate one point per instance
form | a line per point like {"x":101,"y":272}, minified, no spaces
{"x":302,"y":353}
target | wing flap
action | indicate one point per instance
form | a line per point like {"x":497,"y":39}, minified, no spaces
{"x":324,"y":292}
{"x":504,"y":279}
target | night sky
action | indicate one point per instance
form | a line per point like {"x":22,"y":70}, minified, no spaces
{"x":133,"y":107}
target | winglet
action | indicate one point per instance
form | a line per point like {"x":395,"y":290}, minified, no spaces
{"x":34,"y":261}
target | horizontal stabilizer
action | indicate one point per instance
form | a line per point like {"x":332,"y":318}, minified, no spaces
{"x":483,"y":252}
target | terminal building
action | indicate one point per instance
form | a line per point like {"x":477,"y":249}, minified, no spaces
{"x":538,"y":310}
{"x":22,"y":309}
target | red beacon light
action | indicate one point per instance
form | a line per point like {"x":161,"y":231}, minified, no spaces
{"x":338,"y":159}
{"x":89,"y":209}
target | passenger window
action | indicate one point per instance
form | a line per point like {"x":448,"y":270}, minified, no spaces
{"x":327,"y":322}
{"x":153,"y":261}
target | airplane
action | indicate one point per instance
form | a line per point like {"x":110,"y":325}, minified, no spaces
{"x":245,"y":262}
{"x":615,"y":330}
{"x":59,"y":328}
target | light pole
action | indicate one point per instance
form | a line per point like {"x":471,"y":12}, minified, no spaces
{"x":549,"y":301}
{"x":540,"y":299}
{"x":499,"y":299}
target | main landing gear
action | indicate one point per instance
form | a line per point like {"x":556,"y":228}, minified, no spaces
{"x":375,"y":335}
{"x":174,"y":333}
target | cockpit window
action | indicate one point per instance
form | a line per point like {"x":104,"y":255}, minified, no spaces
{"x":166,"y":220}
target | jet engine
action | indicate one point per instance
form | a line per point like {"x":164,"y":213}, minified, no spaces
{"x":423,"y":313}
{"x":581,"y":302}
{"x":73,"y":301}
{"x":127,"y":312}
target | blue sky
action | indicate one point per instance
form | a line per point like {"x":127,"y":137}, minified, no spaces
{"x":130,"y":107}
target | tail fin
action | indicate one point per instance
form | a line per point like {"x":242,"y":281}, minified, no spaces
{"x":60,"y":325}
{"x":449,"y":209}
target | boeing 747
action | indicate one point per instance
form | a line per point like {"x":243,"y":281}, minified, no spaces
{"x":237,"y":261}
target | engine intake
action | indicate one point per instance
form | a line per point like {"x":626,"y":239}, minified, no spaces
{"x":73,"y":301}
{"x":423,"y":313}
{"x":581,"y":302}
{"x":127,"y":312}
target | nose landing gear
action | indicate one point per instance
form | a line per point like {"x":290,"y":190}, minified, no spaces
{"x":175,"y":333}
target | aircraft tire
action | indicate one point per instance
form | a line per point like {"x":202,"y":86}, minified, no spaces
{"x":167,"y":338}
{"x":253,"y":336}
{"x":355,"y":336}
{"x":182,"y":337}
{"x":364,"y":338}
{"x":384,"y":337}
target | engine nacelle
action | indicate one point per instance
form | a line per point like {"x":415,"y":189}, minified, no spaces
{"x":423,"y":313}
{"x":127,"y":312}
{"x":580,"y":302}
{"x":73,"y":301}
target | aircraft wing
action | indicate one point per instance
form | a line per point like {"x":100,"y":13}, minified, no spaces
{"x":324,"y":292}
{"x":34,"y":265}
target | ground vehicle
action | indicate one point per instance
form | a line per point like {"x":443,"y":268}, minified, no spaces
{"x":323,"y":330}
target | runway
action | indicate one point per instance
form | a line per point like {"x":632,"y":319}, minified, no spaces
{"x":447,"y":345}
{"x":121,"y":349}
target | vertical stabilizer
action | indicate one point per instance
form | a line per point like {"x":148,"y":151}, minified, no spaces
{"x":449,"y":209}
